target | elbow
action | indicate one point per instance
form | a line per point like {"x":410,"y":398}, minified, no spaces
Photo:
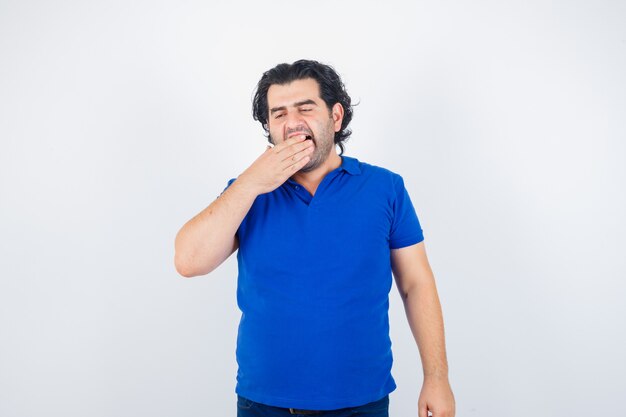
{"x":188,"y":269}
{"x":185,"y":273}
{"x":183,"y":269}
{"x":195,"y":261}
{"x":184,"y":260}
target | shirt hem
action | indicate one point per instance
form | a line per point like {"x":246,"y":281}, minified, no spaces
{"x":406,"y":242}
{"x":335,"y":404}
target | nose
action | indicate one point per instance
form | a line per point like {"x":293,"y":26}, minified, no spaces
{"x":294,"y":123}
{"x":293,"y":119}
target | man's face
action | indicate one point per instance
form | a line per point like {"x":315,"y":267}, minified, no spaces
{"x":297,"y":109}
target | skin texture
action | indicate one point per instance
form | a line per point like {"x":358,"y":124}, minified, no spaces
{"x":208,"y":239}
{"x":416,"y":284}
{"x":288,"y":116}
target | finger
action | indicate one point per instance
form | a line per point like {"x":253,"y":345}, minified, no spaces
{"x":294,"y":151}
{"x":422,"y":411}
{"x":289,"y":142}
{"x":282,"y":146}
{"x":287,"y":162}
{"x":297,"y":165}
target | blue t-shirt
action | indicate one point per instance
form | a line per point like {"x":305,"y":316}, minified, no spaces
{"x":313,"y":287}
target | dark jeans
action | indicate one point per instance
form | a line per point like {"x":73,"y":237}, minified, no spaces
{"x":248,"y":408}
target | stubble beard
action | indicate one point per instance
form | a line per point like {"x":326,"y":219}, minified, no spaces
{"x":324,"y":143}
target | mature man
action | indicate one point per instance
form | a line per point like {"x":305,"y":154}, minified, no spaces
{"x":319,"y":235}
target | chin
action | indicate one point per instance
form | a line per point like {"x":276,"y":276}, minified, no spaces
{"x":311,"y":166}
{"x":308,"y":168}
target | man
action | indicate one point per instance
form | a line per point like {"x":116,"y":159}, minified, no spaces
{"x":319,"y":235}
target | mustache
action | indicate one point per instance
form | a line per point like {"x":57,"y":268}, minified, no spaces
{"x":306,"y":132}
{"x":309,"y":136}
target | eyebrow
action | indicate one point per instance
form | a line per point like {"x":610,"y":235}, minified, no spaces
{"x":297,"y":104}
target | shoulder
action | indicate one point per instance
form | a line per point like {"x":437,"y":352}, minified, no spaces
{"x":382,"y":182}
{"x":378,"y":173}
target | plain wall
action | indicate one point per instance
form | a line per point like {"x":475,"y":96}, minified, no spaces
{"x":119,"y":121}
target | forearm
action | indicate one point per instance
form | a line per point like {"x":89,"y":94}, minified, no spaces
{"x":206,"y":240}
{"x":423,"y":311}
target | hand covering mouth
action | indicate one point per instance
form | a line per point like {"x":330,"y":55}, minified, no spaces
{"x":291,"y":135}
{"x":308,"y":136}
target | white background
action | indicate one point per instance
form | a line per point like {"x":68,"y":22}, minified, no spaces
{"x":121,"y":120}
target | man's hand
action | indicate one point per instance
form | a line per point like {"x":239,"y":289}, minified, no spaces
{"x":275,"y":165}
{"x":436,"y":397}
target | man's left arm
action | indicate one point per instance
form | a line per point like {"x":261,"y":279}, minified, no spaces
{"x":416,"y":284}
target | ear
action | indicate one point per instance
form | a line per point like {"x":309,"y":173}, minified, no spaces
{"x":337,"y":115}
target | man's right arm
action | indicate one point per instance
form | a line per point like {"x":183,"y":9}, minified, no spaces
{"x":205,"y":241}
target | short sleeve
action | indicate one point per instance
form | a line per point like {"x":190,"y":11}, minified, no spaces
{"x":230,"y":181}
{"x":405,"y":227}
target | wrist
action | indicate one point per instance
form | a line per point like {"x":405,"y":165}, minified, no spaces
{"x":437,"y":376}
{"x":244,"y":185}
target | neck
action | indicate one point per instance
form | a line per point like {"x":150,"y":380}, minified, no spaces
{"x":312,"y":179}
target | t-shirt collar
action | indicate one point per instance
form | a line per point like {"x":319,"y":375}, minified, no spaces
{"x":350,"y":165}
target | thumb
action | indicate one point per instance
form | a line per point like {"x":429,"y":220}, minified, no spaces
{"x":422,"y":410}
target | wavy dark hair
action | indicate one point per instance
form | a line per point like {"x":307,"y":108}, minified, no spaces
{"x":331,"y":87}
